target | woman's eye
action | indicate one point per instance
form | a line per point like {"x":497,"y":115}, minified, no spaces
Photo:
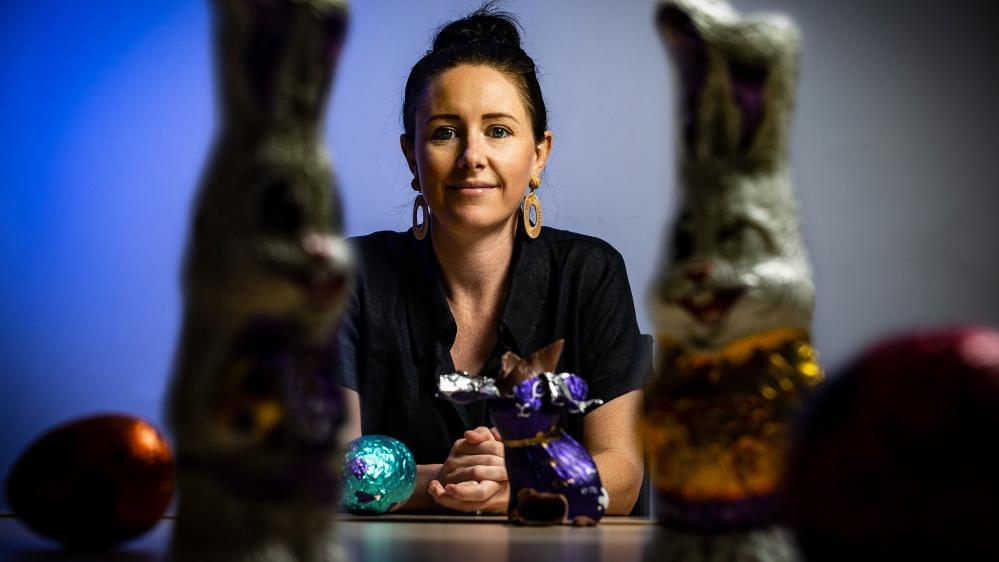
{"x":444,"y":133}
{"x":499,"y":132}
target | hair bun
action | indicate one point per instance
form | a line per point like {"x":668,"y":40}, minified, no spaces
{"x":481,"y":26}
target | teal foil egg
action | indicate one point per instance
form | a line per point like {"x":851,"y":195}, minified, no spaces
{"x":379,"y":472}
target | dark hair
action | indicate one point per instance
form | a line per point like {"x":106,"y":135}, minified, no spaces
{"x":487,"y":37}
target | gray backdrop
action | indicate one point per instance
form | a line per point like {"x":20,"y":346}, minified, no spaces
{"x":892,"y":144}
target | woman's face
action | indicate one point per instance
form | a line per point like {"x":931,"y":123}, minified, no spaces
{"x":473,"y":149}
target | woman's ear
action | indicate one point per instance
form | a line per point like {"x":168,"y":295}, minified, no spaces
{"x":541,"y":152}
{"x":407,"y":151}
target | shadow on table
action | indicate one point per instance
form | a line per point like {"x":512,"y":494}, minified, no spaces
{"x":773,"y":543}
{"x":492,"y":540}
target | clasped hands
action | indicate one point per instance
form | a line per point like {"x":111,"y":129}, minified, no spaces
{"x":473,"y":478}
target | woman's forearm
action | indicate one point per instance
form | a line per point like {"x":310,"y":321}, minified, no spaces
{"x":610,"y":433}
{"x":621,"y":478}
{"x":421,"y":501}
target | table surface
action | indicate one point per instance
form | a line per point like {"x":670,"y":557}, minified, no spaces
{"x":397,"y":538}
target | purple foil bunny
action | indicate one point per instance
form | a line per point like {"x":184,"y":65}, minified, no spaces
{"x":553,"y":478}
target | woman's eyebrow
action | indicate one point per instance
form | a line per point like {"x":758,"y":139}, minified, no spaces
{"x":499,"y":115}
{"x":453,"y":117}
{"x":443,"y":117}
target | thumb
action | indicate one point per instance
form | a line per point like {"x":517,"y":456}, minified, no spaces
{"x":478,"y":435}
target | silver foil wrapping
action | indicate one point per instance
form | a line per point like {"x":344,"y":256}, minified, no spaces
{"x":732,"y":304}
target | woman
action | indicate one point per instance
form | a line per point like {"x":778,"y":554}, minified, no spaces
{"x":477,"y":277}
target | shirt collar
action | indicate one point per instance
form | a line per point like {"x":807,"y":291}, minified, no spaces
{"x":528,"y":288}
{"x":429,"y":313}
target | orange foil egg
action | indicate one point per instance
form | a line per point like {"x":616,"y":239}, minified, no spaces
{"x":92,"y":483}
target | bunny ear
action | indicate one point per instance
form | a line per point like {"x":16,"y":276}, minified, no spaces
{"x":675,"y":25}
{"x":546,"y":359}
{"x":693,"y":19}
{"x":515,"y":369}
{"x":278,"y":59}
{"x":510,"y":363}
{"x":688,"y":49}
{"x":462,"y":388}
{"x":570,"y":391}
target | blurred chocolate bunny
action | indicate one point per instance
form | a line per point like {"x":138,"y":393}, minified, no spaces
{"x":253,"y":408}
{"x":732,"y":306}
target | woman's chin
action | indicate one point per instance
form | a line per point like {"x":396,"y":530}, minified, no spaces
{"x":473,"y":223}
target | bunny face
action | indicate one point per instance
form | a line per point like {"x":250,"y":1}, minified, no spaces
{"x":527,"y":397}
{"x":525,"y":411}
{"x":265,"y":234}
{"x":737,"y":267}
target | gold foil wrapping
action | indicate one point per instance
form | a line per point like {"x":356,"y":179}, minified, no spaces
{"x":717,"y":424}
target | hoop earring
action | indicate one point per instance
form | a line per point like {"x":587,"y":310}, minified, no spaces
{"x":533,"y":230}
{"x":420,"y":230}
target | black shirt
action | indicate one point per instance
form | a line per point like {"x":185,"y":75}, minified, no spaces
{"x":398,"y":331}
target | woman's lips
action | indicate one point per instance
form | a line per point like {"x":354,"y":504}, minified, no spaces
{"x":471,"y":188}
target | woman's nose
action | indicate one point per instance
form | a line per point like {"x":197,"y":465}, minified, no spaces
{"x":472,"y":155}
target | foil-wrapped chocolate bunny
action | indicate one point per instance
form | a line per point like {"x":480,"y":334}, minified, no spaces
{"x":553,"y":478}
{"x":732,"y":306}
{"x":253,"y":408}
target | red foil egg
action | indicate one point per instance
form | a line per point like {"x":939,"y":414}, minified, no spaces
{"x":898,"y":458}
{"x":92,"y":483}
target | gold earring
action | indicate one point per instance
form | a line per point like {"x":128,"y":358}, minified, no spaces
{"x":420,"y":230}
{"x":533,"y":230}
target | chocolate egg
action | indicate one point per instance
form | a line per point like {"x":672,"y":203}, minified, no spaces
{"x":93,"y":482}
{"x":898,"y":457}
{"x":379,"y":473}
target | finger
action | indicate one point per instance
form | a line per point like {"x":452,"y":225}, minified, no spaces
{"x":458,"y":505}
{"x":454,"y":469}
{"x":477,"y":473}
{"x":496,"y":434}
{"x":478,"y":435}
{"x":435,"y":488}
{"x":461,"y":461}
{"x":459,"y":444}
{"x":439,"y":496}
{"x":500,"y":501}
{"x":460,"y":447}
{"x":490,"y":447}
{"x":472,"y":491}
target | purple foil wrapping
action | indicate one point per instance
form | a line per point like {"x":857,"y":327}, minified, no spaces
{"x":553,"y":478}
